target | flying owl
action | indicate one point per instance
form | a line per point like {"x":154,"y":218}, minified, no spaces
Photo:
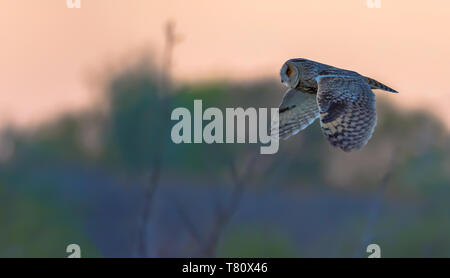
{"x":342,"y":99}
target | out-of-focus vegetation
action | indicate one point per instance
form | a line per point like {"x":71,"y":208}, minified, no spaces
{"x":80,"y":179}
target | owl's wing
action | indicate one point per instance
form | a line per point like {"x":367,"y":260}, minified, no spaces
{"x":297,"y":111}
{"x":347,"y":110}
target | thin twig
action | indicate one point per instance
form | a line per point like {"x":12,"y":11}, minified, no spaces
{"x":148,"y":201}
{"x":223,"y":217}
{"x":164,"y":89}
{"x":195,"y":234}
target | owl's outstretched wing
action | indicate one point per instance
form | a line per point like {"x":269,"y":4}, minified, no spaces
{"x":347,"y":110}
{"x":297,"y":111}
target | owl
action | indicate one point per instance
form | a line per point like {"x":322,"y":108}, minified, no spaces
{"x":342,"y":99}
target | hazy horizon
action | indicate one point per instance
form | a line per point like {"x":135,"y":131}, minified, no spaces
{"x":50,"y":53}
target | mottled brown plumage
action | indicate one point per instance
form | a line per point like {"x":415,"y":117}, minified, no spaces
{"x":342,"y":99}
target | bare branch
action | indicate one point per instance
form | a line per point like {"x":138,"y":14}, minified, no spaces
{"x":223,"y":217}
{"x":188,"y":223}
{"x":164,"y":89}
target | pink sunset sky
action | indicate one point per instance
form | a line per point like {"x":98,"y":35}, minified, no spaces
{"x":48,"y":51}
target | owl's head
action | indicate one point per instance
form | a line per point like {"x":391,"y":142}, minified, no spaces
{"x":290,"y":74}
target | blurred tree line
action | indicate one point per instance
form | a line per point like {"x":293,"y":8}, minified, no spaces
{"x":412,"y":147}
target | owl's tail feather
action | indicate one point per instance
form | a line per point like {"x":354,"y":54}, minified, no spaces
{"x":378,"y":85}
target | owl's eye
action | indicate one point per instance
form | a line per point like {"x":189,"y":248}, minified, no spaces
{"x":289,"y":72}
